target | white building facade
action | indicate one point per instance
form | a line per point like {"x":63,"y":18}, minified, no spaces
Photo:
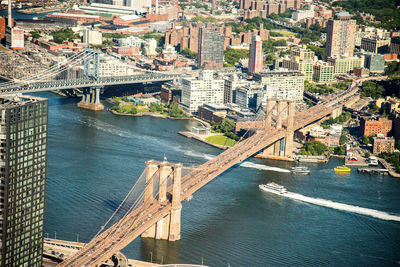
{"x":92,"y":37}
{"x":204,"y":90}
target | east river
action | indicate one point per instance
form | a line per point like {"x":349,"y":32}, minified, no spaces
{"x":94,"y":158}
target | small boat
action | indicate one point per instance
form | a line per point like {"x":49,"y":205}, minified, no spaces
{"x":273,"y":188}
{"x":342,"y":169}
{"x":303,"y":170}
{"x":372,"y":161}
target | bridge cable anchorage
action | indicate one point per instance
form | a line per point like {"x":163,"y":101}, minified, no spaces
{"x":41,"y":74}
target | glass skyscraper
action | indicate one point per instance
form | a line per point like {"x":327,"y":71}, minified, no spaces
{"x":23,"y":154}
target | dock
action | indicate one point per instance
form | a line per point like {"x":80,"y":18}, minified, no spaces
{"x":373,"y":170}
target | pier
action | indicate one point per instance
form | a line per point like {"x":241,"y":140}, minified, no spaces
{"x":373,"y":170}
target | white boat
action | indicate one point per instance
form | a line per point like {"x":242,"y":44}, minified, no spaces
{"x":273,"y":188}
{"x":304,"y":170}
{"x":373,"y":161}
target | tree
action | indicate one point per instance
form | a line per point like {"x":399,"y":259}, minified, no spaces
{"x":64,"y":35}
{"x":313,"y":148}
{"x":371,"y":89}
{"x":35,"y":35}
{"x":233,"y":56}
{"x":397,"y":144}
{"x":175,"y":111}
{"x":269,"y":58}
{"x":343,"y":139}
{"x":340,"y":150}
{"x":155,"y":107}
{"x":367,"y":154}
{"x":108,"y":42}
{"x":365,"y":140}
{"x":189,"y":53}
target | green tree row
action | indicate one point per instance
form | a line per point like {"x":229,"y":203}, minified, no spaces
{"x":342,"y":118}
{"x":64,"y":35}
{"x":313,"y":148}
{"x":385,"y":11}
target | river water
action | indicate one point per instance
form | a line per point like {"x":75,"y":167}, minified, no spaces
{"x":94,"y":158}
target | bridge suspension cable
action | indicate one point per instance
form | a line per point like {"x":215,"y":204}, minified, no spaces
{"x":52,"y":71}
{"x":26,"y":79}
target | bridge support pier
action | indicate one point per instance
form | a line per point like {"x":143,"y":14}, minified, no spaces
{"x":151,"y":170}
{"x":284,"y":146}
{"x":289,"y":129}
{"x":168,"y":227}
{"x":91,"y":99}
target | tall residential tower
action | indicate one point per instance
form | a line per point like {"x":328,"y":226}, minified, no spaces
{"x":23,"y":154}
{"x":255,"y":55}
{"x":211,"y":49}
{"x":341,"y":33}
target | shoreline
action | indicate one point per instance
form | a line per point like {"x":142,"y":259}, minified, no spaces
{"x":194,"y":136}
{"x":157,"y":115}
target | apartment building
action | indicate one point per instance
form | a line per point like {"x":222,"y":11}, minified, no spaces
{"x":23,"y":130}
{"x":202,"y":90}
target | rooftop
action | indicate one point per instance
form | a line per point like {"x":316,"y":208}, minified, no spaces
{"x":130,"y":17}
{"x":17,"y":101}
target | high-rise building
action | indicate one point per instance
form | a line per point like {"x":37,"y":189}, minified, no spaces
{"x":23,"y":150}
{"x":340,"y":36}
{"x":2,"y":28}
{"x":14,"y":36}
{"x":92,"y":37}
{"x":395,"y":45}
{"x":211,"y":49}
{"x":375,"y":45}
{"x":283,"y":79}
{"x":203,"y":90}
{"x":255,"y":55}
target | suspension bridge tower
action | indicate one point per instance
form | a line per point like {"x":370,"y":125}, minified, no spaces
{"x":282,"y":148}
{"x":167,"y":175}
{"x":91,"y":96}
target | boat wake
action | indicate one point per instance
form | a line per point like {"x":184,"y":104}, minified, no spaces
{"x":248,"y":164}
{"x":344,"y":207}
{"x":245,"y":164}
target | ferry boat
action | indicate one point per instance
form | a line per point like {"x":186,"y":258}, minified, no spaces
{"x":273,"y":188}
{"x":342,"y":169}
{"x":373,"y":161}
{"x":303,"y":170}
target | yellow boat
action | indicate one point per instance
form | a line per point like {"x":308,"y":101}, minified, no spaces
{"x":342,"y":169}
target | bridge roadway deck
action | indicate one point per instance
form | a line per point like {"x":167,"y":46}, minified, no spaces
{"x":135,"y":223}
{"x":84,"y":83}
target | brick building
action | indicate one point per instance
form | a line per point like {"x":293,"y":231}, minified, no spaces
{"x":126,"y":50}
{"x":181,"y":37}
{"x":370,"y":126}
{"x":383,"y":144}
